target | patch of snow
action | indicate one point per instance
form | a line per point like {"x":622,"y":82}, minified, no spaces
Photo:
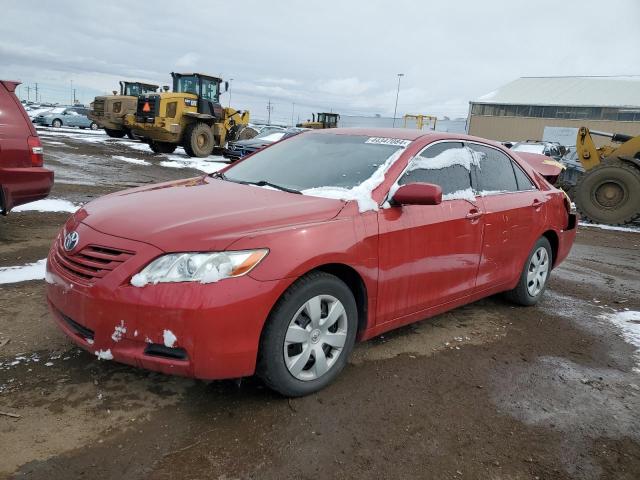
{"x":466,"y":194}
{"x":139,"y":280}
{"x":453,"y":156}
{"x":205,"y":166}
{"x":135,"y":333}
{"x":23,"y":273}
{"x":90,"y":341}
{"x":104,"y":354}
{"x":48,"y":364}
{"x":47,"y":205}
{"x":169,"y":338}
{"x":118,"y":332}
{"x":628,"y":322}
{"x":360,"y":193}
{"x":610,"y":227}
{"x":484,"y":193}
{"x":215,"y":274}
{"x":135,"y":161}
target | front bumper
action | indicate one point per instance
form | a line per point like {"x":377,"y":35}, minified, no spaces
{"x":217,"y":326}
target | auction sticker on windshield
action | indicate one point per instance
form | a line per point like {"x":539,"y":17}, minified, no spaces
{"x":399,"y":142}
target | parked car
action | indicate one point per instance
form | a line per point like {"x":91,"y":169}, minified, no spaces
{"x":355,"y":232}
{"x":550,"y":149}
{"x":241,"y":148}
{"x":66,"y":116}
{"x":22,"y":176}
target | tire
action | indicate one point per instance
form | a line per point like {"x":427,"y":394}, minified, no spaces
{"x":609,"y":193}
{"x":281,"y":357}
{"x":525,"y":293}
{"x":132,"y":135}
{"x":162,"y":147}
{"x":57,"y":123}
{"x":93,"y":126}
{"x":198,"y":140}
{"x":115,"y":133}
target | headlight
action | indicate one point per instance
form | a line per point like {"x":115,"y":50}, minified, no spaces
{"x":198,"y":267}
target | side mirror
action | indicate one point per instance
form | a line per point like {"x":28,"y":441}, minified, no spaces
{"x":418,"y":194}
{"x":226,"y":86}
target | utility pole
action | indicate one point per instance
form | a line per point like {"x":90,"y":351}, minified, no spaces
{"x":395,"y":110}
{"x":269,"y":110}
{"x":230,"y":84}
{"x":71,"y":92}
{"x":28,"y":93}
{"x":74,"y":96}
{"x":36,"y":92}
{"x":293,"y":109}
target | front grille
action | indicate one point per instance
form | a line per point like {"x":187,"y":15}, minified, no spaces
{"x":90,"y":263}
{"x":153,"y":101}
{"x":98,"y":107}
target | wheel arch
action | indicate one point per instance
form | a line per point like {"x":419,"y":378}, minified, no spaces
{"x":554,"y":241}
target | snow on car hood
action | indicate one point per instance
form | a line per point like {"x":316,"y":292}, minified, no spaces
{"x":201,"y":214}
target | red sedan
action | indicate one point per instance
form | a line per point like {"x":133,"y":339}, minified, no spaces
{"x":279,"y":263}
{"x":22,"y":177}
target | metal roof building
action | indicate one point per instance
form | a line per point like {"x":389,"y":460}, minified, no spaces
{"x":522,"y":109}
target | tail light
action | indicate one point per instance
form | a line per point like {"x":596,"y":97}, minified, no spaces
{"x":36,"y":151}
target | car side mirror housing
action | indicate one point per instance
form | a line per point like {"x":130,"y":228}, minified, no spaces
{"x":418,"y":194}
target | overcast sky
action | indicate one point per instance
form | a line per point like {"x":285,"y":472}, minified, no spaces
{"x":329,"y":55}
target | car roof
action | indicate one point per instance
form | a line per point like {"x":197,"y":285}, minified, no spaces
{"x":401,"y":133}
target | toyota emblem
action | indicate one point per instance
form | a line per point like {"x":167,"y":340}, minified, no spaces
{"x":71,"y":241}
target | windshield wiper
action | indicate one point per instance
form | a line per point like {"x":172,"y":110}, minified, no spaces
{"x":218,"y":175}
{"x":264,"y":183}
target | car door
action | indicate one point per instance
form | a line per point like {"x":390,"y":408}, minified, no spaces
{"x":429,"y":254}
{"x":513,"y":214}
{"x":70,"y":118}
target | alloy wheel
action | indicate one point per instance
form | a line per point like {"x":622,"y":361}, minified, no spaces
{"x":538,"y":271}
{"x":315,"y":337}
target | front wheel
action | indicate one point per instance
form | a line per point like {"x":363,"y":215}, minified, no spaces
{"x":198,"y":140}
{"x":114,"y":133}
{"x":57,"y":123}
{"x":534,"y":276}
{"x":309,"y":335}
{"x":93,"y":126}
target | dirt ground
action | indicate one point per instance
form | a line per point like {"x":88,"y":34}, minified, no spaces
{"x":485,"y":391}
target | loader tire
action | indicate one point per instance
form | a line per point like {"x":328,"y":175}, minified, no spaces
{"x":609,"y":193}
{"x":115,"y":133}
{"x":198,"y":140}
{"x":162,"y":147}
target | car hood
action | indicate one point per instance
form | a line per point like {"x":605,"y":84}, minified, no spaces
{"x":252,"y":142}
{"x":201,"y":214}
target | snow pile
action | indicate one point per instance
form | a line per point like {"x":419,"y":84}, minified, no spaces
{"x":104,"y":354}
{"x":118,"y":332}
{"x":135,"y":161}
{"x":48,"y":205}
{"x":628,"y":322}
{"x":23,"y":273}
{"x":169,"y":338}
{"x":139,"y":280}
{"x":215,"y":274}
{"x":610,"y":227}
{"x":205,"y":166}
{"x":360,"y":193}
{"x":466,"y":194}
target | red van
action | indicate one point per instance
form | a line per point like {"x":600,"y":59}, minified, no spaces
{"x":22,"y":177}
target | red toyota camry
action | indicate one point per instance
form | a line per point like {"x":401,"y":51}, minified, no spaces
{"x":279,"y":263}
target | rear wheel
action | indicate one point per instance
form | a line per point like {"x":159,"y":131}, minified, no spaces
{"x":115,"y":133}
{"x":198,"y":140}
{"x":57,"y":123}
{"x":93,"y":126}
{"x":609,"y":193}
{"x":132,"y":135}
{"x":308,"y":336}
{"x":162,"y":147}
{"x":534,"y":276}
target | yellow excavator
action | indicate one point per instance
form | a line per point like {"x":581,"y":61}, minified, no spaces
{"x":609,"y":189}
{"x":325,"y":120}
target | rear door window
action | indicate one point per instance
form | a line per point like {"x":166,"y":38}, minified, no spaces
{"x":446,"y":164}
{"x":523,"y":181}
{"x":494,"y":172}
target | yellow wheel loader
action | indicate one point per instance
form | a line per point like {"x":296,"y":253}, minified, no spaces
{"x":325,"y":120}
{"x":191,"y":116}
{"x":609,"y":189}
{"x":108,"y":111}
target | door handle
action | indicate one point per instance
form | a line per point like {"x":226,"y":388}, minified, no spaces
{"x":473,"y":215}
{"x":536,"y":204}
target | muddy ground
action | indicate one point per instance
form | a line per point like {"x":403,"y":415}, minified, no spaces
{"x":485,"y":391}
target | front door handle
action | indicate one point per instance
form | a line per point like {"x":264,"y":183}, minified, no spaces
{"x":536,"y":204}
{"x":474,"y":214}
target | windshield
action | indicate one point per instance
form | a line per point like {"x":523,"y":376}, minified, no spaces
{"x":315,"y":160}
{"x":135,"y":89}
{"x":186,"y":85}
{"x":528,"y":147}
